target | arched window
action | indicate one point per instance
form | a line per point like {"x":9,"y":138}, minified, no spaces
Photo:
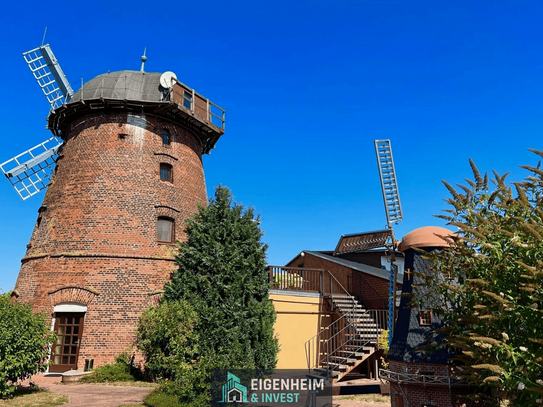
{"x":166,"y":138}
{"x":166,"y":173}
{"x":165,"y":230}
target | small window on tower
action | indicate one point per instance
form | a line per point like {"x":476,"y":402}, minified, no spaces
{"x":425,"y":317}
{"x":187,"y":99}
{"x":166,"y":172}
{"x":166,"y":139}
{"x":165,"y":230}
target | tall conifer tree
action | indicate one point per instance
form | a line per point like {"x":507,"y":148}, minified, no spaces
{"x":222,"y":274}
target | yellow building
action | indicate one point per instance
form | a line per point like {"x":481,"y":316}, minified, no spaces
{"x":300,"y":316}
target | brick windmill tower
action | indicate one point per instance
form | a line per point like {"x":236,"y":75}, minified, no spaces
{"x":123,"y":171}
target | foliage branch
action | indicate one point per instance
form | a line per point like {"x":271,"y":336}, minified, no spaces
{"x":24,"y":343}
{"x":488,"y":285}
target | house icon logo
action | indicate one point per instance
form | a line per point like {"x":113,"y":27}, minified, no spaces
{"x":233,"y":391}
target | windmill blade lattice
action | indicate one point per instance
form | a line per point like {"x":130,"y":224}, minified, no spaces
{"x":49,"y":75}
{"x":31,"y":171}
{"x":389,"y":185}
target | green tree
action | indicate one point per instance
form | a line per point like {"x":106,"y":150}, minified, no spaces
{"x":489,"y":285}
{"x":24,"y":343}
{"x":223,"y":276}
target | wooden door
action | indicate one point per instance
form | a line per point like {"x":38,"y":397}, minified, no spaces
{"x":65,"y":352}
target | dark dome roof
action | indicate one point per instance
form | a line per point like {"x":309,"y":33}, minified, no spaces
{"x":122,"y":85}
{"x":427,"y":236}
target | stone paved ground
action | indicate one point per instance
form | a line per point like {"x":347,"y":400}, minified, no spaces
{"x":90,"y":395}
{"x":113,"y":396}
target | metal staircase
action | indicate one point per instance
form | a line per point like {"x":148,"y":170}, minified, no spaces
{"x":346,"y":343}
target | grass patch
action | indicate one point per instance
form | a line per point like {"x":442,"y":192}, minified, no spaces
{"x":159,"y":399}
{"x":367,"y":398}
{"x":34,"y":398}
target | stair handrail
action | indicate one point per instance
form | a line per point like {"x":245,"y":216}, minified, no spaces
{"x":347,"y":294}
{"x":315,"y":340}
{"x":332,"y":348}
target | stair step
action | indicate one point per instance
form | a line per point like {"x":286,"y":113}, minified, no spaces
{"x":336,"y":366}
{"x":324,"y":372}
{"x":360,"y":348}
{"x":351,"y":353}
{"x":346,"y":300}
{"x":342,"y":359}
{"x":346,"y":312}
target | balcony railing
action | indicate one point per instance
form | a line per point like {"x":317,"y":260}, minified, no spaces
{"x":303,"y":279}
{"x":424,"y":379}
{"x":200,"y":106}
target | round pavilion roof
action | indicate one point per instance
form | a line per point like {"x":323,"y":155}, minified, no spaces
{"x":427,"y":236}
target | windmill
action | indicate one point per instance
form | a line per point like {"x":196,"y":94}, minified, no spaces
{"x":381,"y":238}
{"x":31,"y":171}
{"x":126,"y":155}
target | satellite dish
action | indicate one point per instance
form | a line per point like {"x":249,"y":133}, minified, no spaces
{"x":167,"y":79}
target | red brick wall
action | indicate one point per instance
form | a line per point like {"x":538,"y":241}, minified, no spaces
{"x":99,"y":228}
{"x":420,"y":395}
{"x":372,"y":290}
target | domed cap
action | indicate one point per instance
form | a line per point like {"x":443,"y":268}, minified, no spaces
{"x":428,"y":236}
{"x":122,"y":85}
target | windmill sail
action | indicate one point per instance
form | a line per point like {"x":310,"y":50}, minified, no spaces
{"x":393,"y":209}
{"x":31,"y":171}
{"x":389,"y":185}
{"x":49,"y":75}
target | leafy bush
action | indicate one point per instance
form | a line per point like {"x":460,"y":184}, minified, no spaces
{"x":172,"y":394}
{"x":165,"y":335}
{"x":123,"y":370}
{"x":383,"y":343}
{"x":24,"y":343}
{"x":157,"y":398}
{"x":283,"y":281}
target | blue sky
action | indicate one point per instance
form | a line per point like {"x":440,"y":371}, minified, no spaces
{"x":307,"y":86}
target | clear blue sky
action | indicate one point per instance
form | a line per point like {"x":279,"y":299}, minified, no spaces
{"x":307,"y":86}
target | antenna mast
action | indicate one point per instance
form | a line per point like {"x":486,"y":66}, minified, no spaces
{"x":143,"y":60}
{"x":393,"y":210}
